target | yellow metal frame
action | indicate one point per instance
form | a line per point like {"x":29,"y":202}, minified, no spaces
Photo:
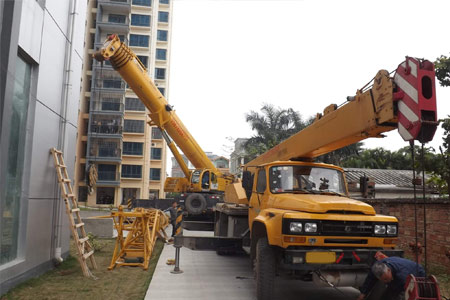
{"x":141,"y":227}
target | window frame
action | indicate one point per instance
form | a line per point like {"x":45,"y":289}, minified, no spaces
{"x":139,"y":18}
{"x":140,"y":38}
{"x":136,"y":170}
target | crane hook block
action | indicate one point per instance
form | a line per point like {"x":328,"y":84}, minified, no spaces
{"x":417,"y":117}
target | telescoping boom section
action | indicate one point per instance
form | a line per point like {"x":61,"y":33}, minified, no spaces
{"x":206,"y":177}
{"x":134,"y":73}
{"x":406,"y":102}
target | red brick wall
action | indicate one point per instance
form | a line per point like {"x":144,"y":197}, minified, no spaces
{"x":438,"y":227}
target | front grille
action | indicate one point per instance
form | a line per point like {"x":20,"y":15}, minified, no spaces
{"x":347,"y":228}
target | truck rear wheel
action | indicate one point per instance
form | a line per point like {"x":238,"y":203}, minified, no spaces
{"x":195,"y":204}
{"x":265,"y":269}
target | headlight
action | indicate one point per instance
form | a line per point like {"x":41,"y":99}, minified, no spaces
{"x":391,"y":229}
{"x":295,"y":227}
{"x":380,"y":229}
{"x":310,"y":227}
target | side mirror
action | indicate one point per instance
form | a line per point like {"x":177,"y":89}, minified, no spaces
{"x":247,"y":183}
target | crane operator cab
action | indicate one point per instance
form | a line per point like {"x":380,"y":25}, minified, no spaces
{"x":204,"y":180}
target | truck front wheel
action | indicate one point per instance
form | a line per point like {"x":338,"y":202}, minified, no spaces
{"x":265,"y":269}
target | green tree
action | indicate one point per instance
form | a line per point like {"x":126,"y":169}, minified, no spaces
{"x":442,"y":67}
{"x":442,"y":163}
{"x":337,"y":157}
{"x":401,"y":159}
{"x":272,"y":125}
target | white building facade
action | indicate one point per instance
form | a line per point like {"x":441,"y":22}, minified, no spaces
{"x":41,"y":63}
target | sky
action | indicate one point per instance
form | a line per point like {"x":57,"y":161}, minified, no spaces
{"x":229,"y":57}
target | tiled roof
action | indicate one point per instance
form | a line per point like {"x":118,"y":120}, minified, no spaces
{"x":399,"y":178}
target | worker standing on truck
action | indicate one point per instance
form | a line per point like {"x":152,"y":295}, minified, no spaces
{"x":173,"y":216}
{"x":392,"y":271}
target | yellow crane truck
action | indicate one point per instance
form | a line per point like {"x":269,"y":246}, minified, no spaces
{"x":202,"y":187}
{"x":293,"y":215}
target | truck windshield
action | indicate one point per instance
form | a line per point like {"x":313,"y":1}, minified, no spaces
{"x":306,"y":179}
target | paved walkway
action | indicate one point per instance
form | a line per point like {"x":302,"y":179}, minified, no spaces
{"x":208,"y":276}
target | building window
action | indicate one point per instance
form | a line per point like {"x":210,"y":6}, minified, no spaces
{"x":162,"y":91}
{"x":130,"y":148}
{"x":111,"y":104}
{"x":129,"y":194}
{"x":144,"y":60}
{"x":112,"y":18}
{"x":155,"y":153}
{"x":11,"y":196}
{"x":139,"y":40}
{"x":142,"y":2}
{"x":161,"y":54}
{"x":107,"y":173}
{"x":163,"y":16}
{"x":140,"y":20}
{"x":156,"y":133}
{"x":105,"y":195}
{"x":131,"y":171}
{"x":153,"y":194}
{"x":155,"y":174}
{"x":82,"y":194}
{"x":160,"y":73}
{"x":134,"y":126}
{"x":162,"y":35}
{"x":112,"y":84}
{"x":134,"y":104}
{"x":164,"y":1}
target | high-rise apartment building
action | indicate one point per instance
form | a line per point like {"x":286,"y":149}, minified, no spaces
{"x":113,"y":134}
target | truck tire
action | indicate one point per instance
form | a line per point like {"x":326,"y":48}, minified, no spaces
{"x":195,"y":204}
{"x":265,"y":270}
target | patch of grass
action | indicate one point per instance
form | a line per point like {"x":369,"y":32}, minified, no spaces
{"x":443,"y":279}
{"x":67,"y":282}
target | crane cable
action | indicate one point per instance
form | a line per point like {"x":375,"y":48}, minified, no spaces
{"x":416,"y":246}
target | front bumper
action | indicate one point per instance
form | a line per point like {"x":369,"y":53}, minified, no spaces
{"x":345,"y":259}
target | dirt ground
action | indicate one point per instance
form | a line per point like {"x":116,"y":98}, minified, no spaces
{"x":67,"y":280}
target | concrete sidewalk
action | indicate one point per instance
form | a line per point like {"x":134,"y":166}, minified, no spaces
{"x":207,"y":275}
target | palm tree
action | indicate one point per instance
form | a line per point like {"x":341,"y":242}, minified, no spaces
{"x":272,"y":125}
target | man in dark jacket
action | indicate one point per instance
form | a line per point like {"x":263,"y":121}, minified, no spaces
{"x":173,"y":216}
{"x":391,"y":271}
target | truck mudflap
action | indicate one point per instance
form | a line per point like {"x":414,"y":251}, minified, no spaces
{"x":332,"y":259}
{"x":209,"y":243}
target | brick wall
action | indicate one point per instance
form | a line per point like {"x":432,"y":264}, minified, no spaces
{"x":438,"y":226}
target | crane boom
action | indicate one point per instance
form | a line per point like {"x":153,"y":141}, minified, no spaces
{"x":406,"y":101}
{"x":134,"y":73}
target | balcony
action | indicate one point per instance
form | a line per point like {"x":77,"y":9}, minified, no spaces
{"x":105,"y":150}
{"x":114,"y":27}
{"x":117,"y":6}
{"x":101,"y":40}
{"x":103,"y":102}
{"x":108,"y":178}
{"x":107,"y":80}
{"x":105,"y":126}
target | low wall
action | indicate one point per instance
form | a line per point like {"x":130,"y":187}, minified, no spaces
{"x":437,"y":231}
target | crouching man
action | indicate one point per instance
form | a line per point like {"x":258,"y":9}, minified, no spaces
{"x":387,"y":278}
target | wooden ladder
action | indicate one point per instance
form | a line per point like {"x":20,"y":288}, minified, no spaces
{"x":84,"y":248}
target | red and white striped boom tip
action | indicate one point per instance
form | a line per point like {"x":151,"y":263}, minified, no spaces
{"x":416,"y":95}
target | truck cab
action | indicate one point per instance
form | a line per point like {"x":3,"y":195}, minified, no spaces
{"x":300,"y":213}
